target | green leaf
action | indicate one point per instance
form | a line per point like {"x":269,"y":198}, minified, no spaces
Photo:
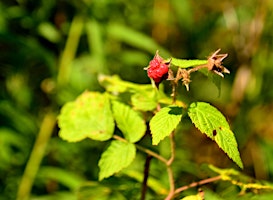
{"x":241,"y":180}
{"x":89,"y":116}
{"x":117,"y":156}
{"x":211,"y":122}
{"x":134,"y":38}
{"x":183,"y":63}
{"x":164,"y":122}
{"x":193,"y":197}
{"x":128,"y":121}
{"x":145,"y":100}
{"x":116,"y":85}
{"x":214,"y":78}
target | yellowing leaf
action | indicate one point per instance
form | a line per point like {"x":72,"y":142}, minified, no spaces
{"x":89,"y":116}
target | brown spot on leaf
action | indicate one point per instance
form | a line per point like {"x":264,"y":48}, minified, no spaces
{"x":214,"y":132}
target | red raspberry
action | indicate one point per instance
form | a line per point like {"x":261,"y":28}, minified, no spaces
{"x":158,"y":69}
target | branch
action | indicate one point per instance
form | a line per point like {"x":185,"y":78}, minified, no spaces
{"x":202,"y":182}
{"x":36,"y":156}
{"x":169,"y":169}
{"x":147,"y":151}
{"x":146,"y":175}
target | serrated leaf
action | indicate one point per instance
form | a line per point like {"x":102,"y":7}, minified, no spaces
{"x":164,"y":122}
{"x":128,"y":121}
{"x":183,"y":63}
{"x":89,"y":116}
{"x":116,"y":157}
{"x":211,"y":122}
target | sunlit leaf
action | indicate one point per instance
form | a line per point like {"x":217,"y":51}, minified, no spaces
{"x":183,"y":63}
{"x":116,"y":157}
{"x":193,"y":197}
{"x":129,"y":122}
{"x":89,"y":116}
{"x":164,"y":122}
{"x":241,"y":180}
{"x":115,"y":84}
{"x":145,"y":101}
{"x":211,"y":122}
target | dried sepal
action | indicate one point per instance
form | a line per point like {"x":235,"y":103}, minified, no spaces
{"x":186,"y":79}
{"x":170,"y":75}
{"x":215,"y":63}
{"x":184,"y":76}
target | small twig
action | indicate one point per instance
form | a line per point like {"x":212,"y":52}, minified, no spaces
{"x":143,"y":149}
{"x":174,"y":86}
{"x":36,"y":156}
{"x":202,"y":182}
{"x":116,"y":137}
{"x":146,"y":175}
{"x":153,"y":154}
{"x":170,"y":161}
{"x":197,"y":68}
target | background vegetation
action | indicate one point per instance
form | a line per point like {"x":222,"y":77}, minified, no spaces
{"x":51,"y":51}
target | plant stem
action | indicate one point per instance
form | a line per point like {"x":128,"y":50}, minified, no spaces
{"x":143,"y":149}
{"x":169,"y":169}
{"x":197,"y":68}
{"x":36,"y":156}
{"x":146,"y":175}
{"x":170,"y":161}
{"x":70,"y":49}
{"x":149,"y":152}
{"x":202,"y":182}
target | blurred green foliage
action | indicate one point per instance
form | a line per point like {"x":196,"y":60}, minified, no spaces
{"x":51,"y":51}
